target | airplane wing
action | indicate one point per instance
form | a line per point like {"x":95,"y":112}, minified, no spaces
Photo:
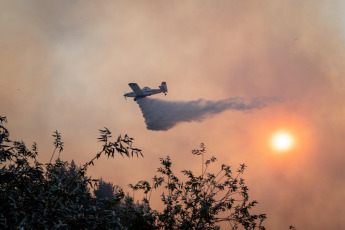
{"x":136,"y":89}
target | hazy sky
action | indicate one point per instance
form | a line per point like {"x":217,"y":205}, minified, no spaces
{"x":65,"y":65}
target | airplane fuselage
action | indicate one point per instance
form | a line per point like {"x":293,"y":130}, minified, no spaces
{"x":146,"y":91}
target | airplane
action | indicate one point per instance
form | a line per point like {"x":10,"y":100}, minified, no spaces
{"x":146,"y":91}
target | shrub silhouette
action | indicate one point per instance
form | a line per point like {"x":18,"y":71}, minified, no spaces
{"x":57,"y":195}
{"x":201,"y":202}
{"x":53,"y":196}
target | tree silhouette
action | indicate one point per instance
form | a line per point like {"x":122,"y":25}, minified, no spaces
{"x":104,"y":190}
{"x":57,"y":195}
{"x":52,"y":196}
{"x":202,"y":201}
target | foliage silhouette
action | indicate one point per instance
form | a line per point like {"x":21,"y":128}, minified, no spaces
{"x":53,"y":196}
{"x":104,"y":190}
{"x":57,"y":195}
{"x":201,"y":202}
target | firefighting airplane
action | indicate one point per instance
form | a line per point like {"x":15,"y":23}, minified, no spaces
{"x":146,"y":91}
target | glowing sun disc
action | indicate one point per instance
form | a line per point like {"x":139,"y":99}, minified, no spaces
{"x":282,"y":141}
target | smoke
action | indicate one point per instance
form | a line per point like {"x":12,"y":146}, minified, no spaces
{"x":163,"y":115}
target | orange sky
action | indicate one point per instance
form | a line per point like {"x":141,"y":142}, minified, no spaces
{"x":65,"y":65}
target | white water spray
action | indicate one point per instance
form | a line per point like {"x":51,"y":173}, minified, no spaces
{"x":163,"y":115}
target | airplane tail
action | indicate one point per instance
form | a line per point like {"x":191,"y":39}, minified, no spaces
{"x":164,"y":87}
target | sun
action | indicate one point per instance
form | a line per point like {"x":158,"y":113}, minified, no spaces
{"x":282,"y":141}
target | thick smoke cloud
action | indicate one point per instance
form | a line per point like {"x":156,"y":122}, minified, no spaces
{"x":163,"y":115}
{"x":62,"y":61}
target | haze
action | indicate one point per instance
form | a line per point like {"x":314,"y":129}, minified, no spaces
{"x":65,"y":65}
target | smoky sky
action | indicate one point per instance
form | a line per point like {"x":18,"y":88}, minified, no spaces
{"x":163,"y":115}
{"x":66,"y":64}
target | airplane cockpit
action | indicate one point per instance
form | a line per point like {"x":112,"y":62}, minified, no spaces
{"x":146,"y":88}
